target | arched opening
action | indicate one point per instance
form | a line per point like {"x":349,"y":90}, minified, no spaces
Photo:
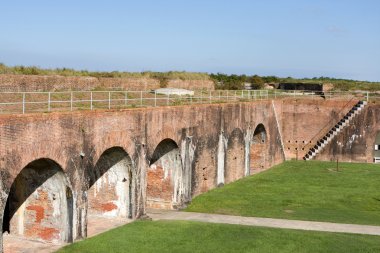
{"x":39,"y":205}
{"x":164,"y":177}
{"x":110,"y":193}
{"x":258,"y":148}
{"x":235,"y":157}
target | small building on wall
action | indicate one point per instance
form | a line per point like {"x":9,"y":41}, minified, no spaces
{"x":316,"y":87}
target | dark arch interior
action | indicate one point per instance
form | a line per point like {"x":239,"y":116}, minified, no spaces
{"x":164,"y":147}
{"x":260,"y":134}
{"x":108,"y":159}
{"x":45,"y":169}
{"x":31,"y":177}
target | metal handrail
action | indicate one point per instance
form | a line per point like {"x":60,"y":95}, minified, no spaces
{"x":328,"y":125}
{"x":88,"y":99}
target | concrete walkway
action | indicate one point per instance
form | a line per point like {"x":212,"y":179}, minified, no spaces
{"x":95,"y":226}
{"x":265,"y":222}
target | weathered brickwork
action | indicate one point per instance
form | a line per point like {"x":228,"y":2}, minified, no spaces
{"x":164,"y":177}
{"x":40,"y":204}
{"x":235,"y":157}
{"x":110,"y":185}
{"x":54,"y":83}
{"x":109,"y":164}
{"x":355,"y":143}
{"x":302,"y":120}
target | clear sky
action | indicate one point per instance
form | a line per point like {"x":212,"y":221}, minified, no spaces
{"x":300,"y":38}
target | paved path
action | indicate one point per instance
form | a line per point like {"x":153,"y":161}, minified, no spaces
{"x":265,"y":222}
{"x":96,"y":225}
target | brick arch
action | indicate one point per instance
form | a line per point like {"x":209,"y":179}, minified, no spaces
{"x":127,"y":144}
{"x":260,"y":134}
{"x":164,"y":176}
{"x":153,"y":143}
{"x":235,"y":156}
{"x":111,"y":185}
{"x":20,"y":161}
{"x":40,"y":203}
{"x":258,"y":154}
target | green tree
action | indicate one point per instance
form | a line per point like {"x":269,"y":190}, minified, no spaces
{"x":257,"y":82}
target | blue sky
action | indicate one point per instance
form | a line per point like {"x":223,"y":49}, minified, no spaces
{"x":304,"y":38}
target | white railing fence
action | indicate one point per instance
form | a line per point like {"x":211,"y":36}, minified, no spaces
{"x":29,"y":102}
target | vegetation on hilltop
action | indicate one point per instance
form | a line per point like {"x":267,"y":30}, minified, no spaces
{"x":236,"y":82}
{"x":222,"y":81}
{"x":33,"y":70}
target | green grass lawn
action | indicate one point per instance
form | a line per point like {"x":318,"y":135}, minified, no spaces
{"x":301,"y":190}
{"x":184,"y":236}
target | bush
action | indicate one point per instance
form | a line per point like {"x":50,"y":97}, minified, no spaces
{"x":257,"y":82}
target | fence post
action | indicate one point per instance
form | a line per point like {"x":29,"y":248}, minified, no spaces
{"x":210,"y":96}
{"x":71,"y":101}
{"x":167,"y":100}
{"x":155,"y":98}
{"x":126,"y":98}
{"x":23,"y":103}
{"x":367,"y":96}
{"x":227,"y":95}
{"x":141,"y":98}
{"x":91,"y":101}
{"x":49,"y":101}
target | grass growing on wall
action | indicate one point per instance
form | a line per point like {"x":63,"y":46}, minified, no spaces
{"x":222,"y":81}
{"x":301,"y":190}
{"x":184,"y":236}
{"x":33,"y":70}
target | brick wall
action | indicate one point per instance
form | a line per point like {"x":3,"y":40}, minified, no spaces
{"x":77,"y":142}
{"x":57,"y":83}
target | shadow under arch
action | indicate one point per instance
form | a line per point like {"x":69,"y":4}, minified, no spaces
{"x":40,"y":203}
{"x":110,"y":191}
{"x":235,"y":157}
{"x":164,"y":147}
{"x":164,"y":177}
{"x":259,"y":135}
{"x":258,"y":149}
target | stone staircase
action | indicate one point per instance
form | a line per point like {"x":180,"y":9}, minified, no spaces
{"x":334,"y":131}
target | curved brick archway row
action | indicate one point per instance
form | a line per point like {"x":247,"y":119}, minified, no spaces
{"x":41,"y":204}
{"x":107,"y":159}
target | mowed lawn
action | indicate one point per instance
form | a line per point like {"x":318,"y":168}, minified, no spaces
{"x":301,"y":190}
{"x":184,"y":236}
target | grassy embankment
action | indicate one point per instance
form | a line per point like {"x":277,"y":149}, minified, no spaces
{"x":292,"y":190}
{"x":229,"y":81}
{"x":184,"y":236}
{"x":302,"y":191}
